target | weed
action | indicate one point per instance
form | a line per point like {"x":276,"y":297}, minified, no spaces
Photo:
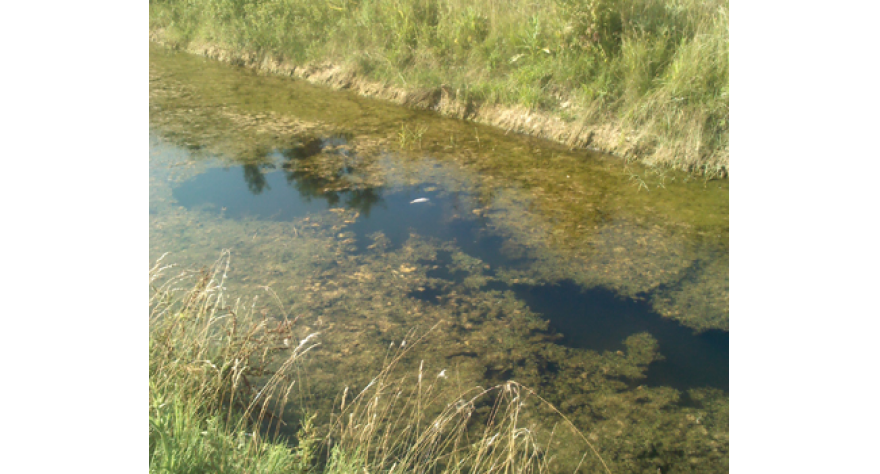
{"x":207,"y":411}
{"x":408,"y":137}
{"x":416,"y":423}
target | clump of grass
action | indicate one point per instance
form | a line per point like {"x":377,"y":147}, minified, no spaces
{"x":656,"y":70}
{"x":207,"y":411}
{"x":411,"y":137}
{"x":419,"y":422}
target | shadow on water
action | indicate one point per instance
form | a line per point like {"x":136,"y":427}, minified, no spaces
{"x":594,"y":318}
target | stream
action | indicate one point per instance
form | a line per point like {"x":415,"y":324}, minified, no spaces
{"x":602,"y":285}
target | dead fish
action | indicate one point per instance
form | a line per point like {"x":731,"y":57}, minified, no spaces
{"x":418,"y":200}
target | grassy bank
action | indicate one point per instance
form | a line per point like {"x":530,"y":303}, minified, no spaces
{"x":646,"y":79}
{"x":223,"y":381}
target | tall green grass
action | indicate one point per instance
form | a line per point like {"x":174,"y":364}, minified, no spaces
{"x":657,"y":70}
{"x":206,"y":411}
{"x":221,"y":380}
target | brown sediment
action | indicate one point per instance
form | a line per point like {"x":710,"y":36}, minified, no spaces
{"x":607,"y":137}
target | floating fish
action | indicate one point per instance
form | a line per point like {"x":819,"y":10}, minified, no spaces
{"x":418,"y":200}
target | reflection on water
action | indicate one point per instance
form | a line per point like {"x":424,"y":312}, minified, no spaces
{"x":219,"y":188}
{"x":269,"y":194}
{"x":283,"y":192}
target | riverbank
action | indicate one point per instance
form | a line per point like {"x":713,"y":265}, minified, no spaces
{"x":646,"y":80}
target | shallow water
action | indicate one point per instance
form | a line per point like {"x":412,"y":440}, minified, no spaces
{"x":604,"y":286}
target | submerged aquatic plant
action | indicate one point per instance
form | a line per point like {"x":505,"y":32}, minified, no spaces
{"x":409,"y":137}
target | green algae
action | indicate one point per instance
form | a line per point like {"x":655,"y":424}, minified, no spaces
{"x":568,"y":215}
